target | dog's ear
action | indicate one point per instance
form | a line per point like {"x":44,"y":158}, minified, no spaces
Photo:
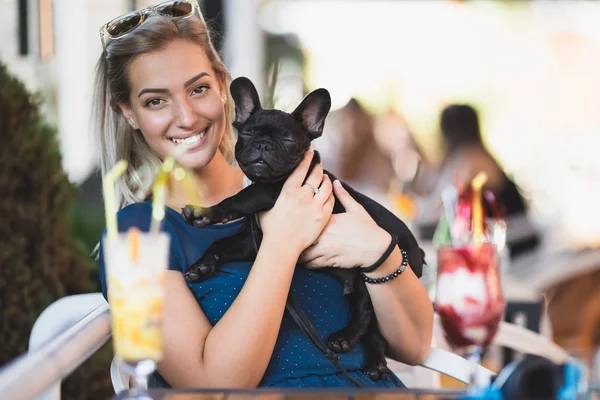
{"x":313,"y":110}
{"x":245,"y":98}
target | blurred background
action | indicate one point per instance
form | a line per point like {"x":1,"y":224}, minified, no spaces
{"x":529,"y":69}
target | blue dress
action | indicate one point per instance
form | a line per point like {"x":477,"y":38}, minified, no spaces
{"x":295,"y":362}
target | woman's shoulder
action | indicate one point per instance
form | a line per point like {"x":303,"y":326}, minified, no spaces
{"x":139,"y":215}
{"x":135,"y":215}
{"x":141,"y":209}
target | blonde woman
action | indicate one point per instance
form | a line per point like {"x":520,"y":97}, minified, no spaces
{"x":161,"y":84}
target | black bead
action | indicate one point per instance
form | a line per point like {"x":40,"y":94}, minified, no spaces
{"x":395,"y":274}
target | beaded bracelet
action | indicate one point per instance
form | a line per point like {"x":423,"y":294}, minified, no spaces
{"x":391,"y":276}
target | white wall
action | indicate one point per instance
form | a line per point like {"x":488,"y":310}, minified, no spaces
{"x":25,"y":68}
{"x":78,"y":47}
{"x":244,"y":43}
{"x":66,"y":81}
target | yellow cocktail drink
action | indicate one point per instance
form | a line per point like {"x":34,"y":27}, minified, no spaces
{"x":136,"y":264}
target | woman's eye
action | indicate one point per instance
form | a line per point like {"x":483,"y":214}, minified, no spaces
{"x":200,"y":89}
{"x":153,"y":102}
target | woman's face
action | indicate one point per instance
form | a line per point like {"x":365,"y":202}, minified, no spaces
{"x":176,"y":99}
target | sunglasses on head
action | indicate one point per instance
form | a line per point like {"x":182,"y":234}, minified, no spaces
{"x":126,"y":23}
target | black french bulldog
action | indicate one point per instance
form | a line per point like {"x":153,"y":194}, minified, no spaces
{"x":271,"y":143}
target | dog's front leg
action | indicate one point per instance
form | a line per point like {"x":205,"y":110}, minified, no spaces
{"x":239,"y":247}
{"x":254,"y":198}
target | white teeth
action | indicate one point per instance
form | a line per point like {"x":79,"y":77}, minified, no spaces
{"x":191,"y":139}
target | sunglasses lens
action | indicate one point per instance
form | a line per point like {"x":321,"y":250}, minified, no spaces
{"x":175,"y":9}
{"x":124,"y":24}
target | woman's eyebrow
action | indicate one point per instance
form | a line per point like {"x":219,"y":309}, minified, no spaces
{"x":195,"y":78}
{"x":186,"y":84}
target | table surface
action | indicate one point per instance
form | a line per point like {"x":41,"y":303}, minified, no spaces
{"x":306,"y":394}
{"x":301,"y":394}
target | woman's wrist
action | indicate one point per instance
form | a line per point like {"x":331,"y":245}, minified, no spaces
{"x":383,"y":255}
{"x":389,"y":266}
{"x":377,"y":250}
{"x":287,"y":247}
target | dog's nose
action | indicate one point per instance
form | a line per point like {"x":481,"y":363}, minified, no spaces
{"x":263,"y":147}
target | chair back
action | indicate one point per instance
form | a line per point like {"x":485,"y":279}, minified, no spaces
{"x":55,"y":319}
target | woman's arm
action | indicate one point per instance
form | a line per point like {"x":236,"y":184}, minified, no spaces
{"x":404,"y":311}
{"x":235,"y":352}
{"x":403,"y":308}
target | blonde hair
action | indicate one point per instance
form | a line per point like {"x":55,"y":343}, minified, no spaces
{"x":117,"y":139}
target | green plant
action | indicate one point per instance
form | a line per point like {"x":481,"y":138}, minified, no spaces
{"x":40,"y":262}
{"x":86,"y":226}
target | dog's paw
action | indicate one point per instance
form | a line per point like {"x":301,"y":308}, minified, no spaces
{"x":197,"y":216}
{"x":376,"y":371}
{"x":339,"y":343}
{"x":203,"y":269}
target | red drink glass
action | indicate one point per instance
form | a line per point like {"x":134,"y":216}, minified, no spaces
{"x":469,"y":297}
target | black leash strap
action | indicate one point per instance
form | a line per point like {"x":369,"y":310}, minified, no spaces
{"x":308,"y":329}
{"x":303,"y":322}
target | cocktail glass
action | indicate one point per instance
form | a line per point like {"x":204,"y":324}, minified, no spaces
{"x":136,"y":263}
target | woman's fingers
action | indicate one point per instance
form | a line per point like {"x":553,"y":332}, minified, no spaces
{"x":297,"y":176}
{"x":314,"y":179}
{"x":325,"y":190}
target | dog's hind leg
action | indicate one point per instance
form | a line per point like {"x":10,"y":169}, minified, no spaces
{"x":375,"y":347}
{"x":362,"y":314}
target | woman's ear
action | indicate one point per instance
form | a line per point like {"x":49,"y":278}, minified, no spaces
{"x":222,"y":90}
{"x":128,"y":114}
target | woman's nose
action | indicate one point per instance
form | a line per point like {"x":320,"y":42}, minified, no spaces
{"x":185,"y":116}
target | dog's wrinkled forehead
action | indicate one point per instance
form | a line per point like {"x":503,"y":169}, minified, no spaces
{"x":309,"y":115}
{"x":273,"y":122}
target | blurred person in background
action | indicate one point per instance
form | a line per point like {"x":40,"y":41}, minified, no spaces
{"x":161,"y":83}
{"x":465,"y":156}
{"x":350,"y":152}
{"x":359,"y":148}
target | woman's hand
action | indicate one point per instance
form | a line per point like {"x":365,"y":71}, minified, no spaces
{"x":350,"y":239}
{"x":299,"y":215}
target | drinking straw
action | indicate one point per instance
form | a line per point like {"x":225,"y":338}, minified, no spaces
{"x":441,"y":236}
{"x":159,"y":195}
{"x":170,"y":169}
{"x":133,"y":237}
{"x":477,"y":221}
{"x":184,"y":175}
{"x":449,"y":201}
{"x":110,"y":207}
{"x":499,"y":231}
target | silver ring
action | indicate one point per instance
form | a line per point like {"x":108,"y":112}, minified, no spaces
{"x":314,"y":189}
